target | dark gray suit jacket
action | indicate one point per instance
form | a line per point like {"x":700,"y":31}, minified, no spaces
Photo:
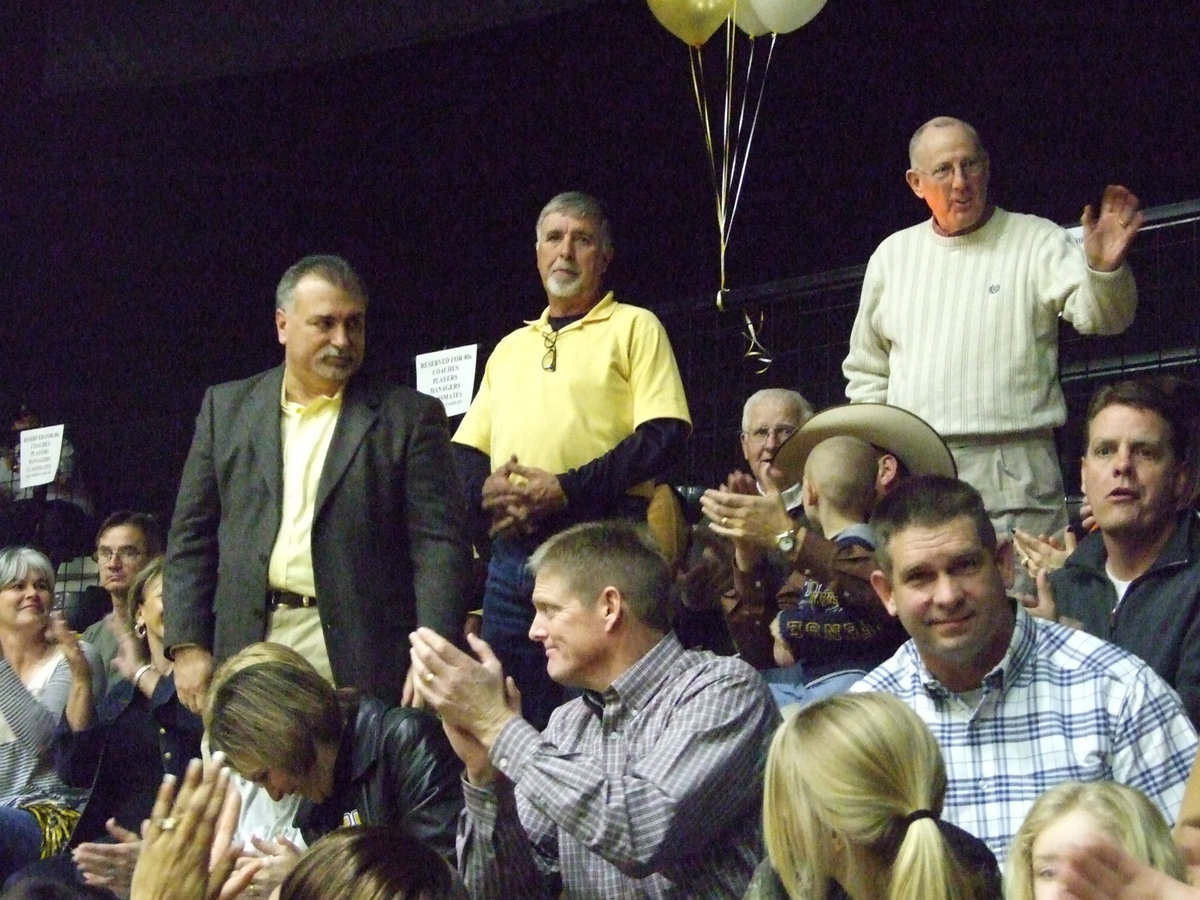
{"x":388,"y":537}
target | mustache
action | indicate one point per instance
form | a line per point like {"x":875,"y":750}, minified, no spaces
{"x":336,"y":353}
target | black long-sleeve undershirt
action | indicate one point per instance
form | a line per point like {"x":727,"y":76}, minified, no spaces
{"x":597,"y":488}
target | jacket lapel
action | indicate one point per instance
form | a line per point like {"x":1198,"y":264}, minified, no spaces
{"x":357,"y":415}
{"x":267,"y":443}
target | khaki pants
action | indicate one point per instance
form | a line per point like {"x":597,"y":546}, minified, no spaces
{"x":1021,"y":484}
{"x":300,"y":629}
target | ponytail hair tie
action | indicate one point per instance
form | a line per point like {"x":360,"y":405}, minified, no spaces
{"x":916,"y":814}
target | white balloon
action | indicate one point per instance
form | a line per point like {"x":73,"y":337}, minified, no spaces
{"x":782,"y":16}
{"x":745,"y":18}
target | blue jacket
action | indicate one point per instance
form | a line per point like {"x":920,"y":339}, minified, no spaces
{"x":94,"y":757}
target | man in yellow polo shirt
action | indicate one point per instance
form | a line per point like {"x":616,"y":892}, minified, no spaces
{"x":316,"y":508}
{"x":578,"y":412}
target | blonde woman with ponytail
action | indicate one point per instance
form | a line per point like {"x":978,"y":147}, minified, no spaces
{"x":852,"y":806}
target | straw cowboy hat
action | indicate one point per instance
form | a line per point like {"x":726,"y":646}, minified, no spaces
{"x":906,"y":436}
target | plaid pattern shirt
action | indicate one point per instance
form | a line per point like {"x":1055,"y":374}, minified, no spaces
{"x":1062,"y":705}
{"x":651,"y":789}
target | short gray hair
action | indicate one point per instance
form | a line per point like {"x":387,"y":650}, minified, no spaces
{"x":794,"y":399}
{"x":325,"y":266}
{"x":581,"y":206}
{"x":593,"y":555}
{"x":17,"y":562}
{"x":942,"y":122}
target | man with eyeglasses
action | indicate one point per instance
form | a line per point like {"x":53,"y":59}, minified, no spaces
{"x":958,"y":322}
{"x":782,"y":562}
{"x":578,"y":412}
{"x":126,"y":541}
{"x":769,"y":418}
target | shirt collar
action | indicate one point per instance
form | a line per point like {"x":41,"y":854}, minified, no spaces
{"x":792,"y":497}
{"x":1021,"y":646}
{"x":599,"y":312}
{"x":638,"y":684}
{"x":859,"y":531}
{"x":978,"y":226}
{"x":314,"y":406}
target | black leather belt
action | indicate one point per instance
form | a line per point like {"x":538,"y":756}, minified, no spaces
{"x":289,"y":600}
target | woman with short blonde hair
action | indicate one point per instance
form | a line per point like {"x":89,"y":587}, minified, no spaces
{"x":352,"y":758}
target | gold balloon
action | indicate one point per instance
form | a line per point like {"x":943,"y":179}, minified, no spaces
{"x":692,"y":21}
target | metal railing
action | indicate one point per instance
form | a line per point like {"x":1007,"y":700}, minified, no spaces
{"x":805,"y":325}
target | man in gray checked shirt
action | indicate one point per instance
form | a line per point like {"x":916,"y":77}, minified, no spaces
{"x":647,"y":785}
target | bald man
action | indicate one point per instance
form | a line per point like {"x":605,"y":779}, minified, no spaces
{"x":958,"y":321}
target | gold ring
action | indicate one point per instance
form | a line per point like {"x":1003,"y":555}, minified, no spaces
{"x":428,"y":676}
{"x":168,"y":824}
{"x":724,"y":521}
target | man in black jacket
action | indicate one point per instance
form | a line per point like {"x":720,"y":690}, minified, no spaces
{"x":1136,"y":582}
{"x":315,"y":508}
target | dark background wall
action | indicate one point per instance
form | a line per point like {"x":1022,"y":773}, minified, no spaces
{"x":163,"y":163}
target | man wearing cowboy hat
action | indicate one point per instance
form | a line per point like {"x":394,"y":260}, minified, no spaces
{"x":776,"y":557}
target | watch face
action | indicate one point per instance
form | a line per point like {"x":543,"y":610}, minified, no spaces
{"x":786,"y":542}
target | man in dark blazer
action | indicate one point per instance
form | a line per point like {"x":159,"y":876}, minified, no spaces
{"x":316,"y":499}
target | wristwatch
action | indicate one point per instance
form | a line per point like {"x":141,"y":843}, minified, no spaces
{"x":786,"y":542}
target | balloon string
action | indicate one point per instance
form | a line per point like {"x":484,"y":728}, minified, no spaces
{"x":755,"y":350}
{"x":738,"y":165}
{"x":698,"y":86}
{"x":727,"y":140}
{"x":731,"y":171}
{"x":736,"y":157}
{"x":753,"y":121}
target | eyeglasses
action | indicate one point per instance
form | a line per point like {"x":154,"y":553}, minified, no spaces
{"x":127,"y":554}
{"x":780,"y":432}
{"x":550,"y":357}
{"x":970,"y":167}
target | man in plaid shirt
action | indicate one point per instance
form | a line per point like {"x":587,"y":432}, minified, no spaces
{"x":649,"y":784}
{"x":1018,"y":704}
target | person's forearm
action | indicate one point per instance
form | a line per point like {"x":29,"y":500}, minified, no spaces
{"x":474,"y":466}
{"x":437,"y":528}
{"x":190,"y":569}
{"x":494,"y":849}
{"x":79,"y":712}
{"x":748,"y":616}
{"x":592,"y":488}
